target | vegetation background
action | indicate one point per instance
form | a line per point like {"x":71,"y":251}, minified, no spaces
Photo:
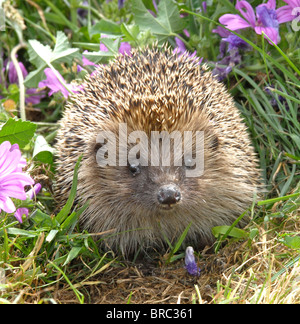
{"x":46,"y":49}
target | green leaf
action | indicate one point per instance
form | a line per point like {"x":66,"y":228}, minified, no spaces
{"x":39,"y":54}
{"x":297,"y":158}
{"x":253,"y":233}
{"x":73,"y":254}
{"x":42,"y":151}
{"x":99,"y":57}
{"x":234,"y":232}
{"x":106,"y":27}
{"x":63,"y":214}
{"x":34,"y":77}
{"x":71,"y":220}
{"x":285,"y":268}
{"x":277,"y":199}
{"x":62,"y":52}
{"x":167,"y":23}
{"x":131,"y":32}
{"x":292,"y":242}
{"x":296,"y":139}
{"x":59,"y":16}
{"x":18,"y":231}
{"x":17,"y":132}
{"x":43,"y":56}
{"x":181,"y":238}
{"x":51,"y":235}
{"x":178,"y":244}
{"x":41,"y":219}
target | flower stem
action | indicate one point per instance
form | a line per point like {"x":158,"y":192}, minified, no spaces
{"x":13,"y":56}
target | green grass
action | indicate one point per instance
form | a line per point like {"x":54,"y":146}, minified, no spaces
{"x":48,"y":255}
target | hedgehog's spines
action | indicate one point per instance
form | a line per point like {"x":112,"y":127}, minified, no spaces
{"x":156,"y":90}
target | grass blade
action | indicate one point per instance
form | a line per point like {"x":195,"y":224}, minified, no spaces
{"x":63,"y":214}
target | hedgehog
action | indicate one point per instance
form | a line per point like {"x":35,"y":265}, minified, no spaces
{"x":139,"y":205}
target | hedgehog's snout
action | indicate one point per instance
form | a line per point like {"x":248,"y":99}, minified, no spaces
{"x":168,"y":195}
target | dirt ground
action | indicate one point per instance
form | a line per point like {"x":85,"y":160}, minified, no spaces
{"x":148,"y":283}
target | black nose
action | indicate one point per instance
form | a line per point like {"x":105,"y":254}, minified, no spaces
{"x":168,"y":194}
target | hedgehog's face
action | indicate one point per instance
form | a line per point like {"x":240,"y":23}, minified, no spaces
{"x":153,"y":179}
{"x":149,"y":189}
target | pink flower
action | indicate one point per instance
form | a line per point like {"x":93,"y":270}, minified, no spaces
{"x":85,"y":61}
{"x":265,"y":20}
{"x":34,"y":191}
{"x":20,"y":212}
{"x":125,"y":48}
{"x":55,"y":85}
{"x":12,"y":179}
{"x":289,"y":12}
{"x":30,"y":194}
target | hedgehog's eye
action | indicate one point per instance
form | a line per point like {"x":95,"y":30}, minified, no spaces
{"x":134,"y":169}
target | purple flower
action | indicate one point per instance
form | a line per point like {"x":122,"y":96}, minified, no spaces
{"x":225,"y":65}
{"x":30,"y":194}
{"x":221,"y":72}
{"x":274,"y":101}
{"x":180,"y":49}
{"x":289,"y":12}
{"x":155,"y":5}
{"x":12,"y":179}
{"x":55,"y":85}
{"x":235,"y":42}
{"x":83,"y":12}
{"x":12,"y":73}
{"x":120,"y":4}
{"x":32,"y":95}
{"x":190,"y":262}
{"x":266,"y":19}
{"x":221,"y":31}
